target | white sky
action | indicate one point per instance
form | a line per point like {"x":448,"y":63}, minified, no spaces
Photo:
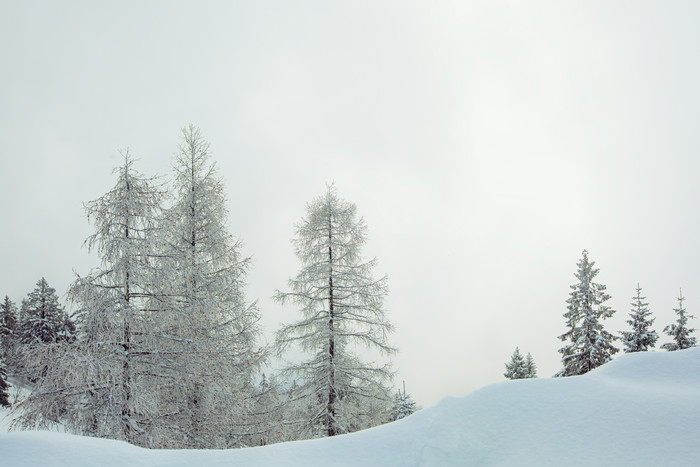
{"x":485,"y":143}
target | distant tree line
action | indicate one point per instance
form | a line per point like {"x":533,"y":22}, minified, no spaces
{"x":163,"y":349}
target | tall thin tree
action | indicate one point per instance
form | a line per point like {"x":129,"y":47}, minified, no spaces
{"x":100,"y":382}
{"x":341,"y":304}
{"x":210,"y":326}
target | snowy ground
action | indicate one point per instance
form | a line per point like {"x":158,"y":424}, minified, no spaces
{"x":641,"y":409}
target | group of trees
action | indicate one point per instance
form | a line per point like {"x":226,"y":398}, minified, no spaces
{"x":520,"y":367}
{"x":165,"y":347}
{"x":588,"y":344}
{"x":41,"y":319}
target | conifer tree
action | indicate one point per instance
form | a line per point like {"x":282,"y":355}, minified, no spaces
{"x":641,"y":338}
{"x":99,"y":385}
{"x":43,"y":319}
{"x":589,"y":345}
{"x":8,"y":328}
{"x":4,"y":386}
{"x":404,"y":405}
{"x":515,"y":368}
{"x":8,"y":317}
{"x":341,"y":304}
{"x":210,"y":327}
{"x":680,"y":332}
{"x":530,"y":367}
{"x":272,"y":414}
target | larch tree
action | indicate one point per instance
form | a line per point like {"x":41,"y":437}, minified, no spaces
{"x":515,"y":368}
{"x":680,"y":332}
{"x":99,"y":386}
{"x":588,"y":344}
{"x":641,"y":338}
{"x":210,"y":328}
{"x":341,"y":306}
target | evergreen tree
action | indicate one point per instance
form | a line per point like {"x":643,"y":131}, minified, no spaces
{"x":4,"y":386}
{"x":589,"y":345}
{"x":530,"y":367}
{"x":210,"y":328}
{"x":43,"y":319}
{"x":516,"y":369}
{"x":680,"y":332}
{"x":641,"y":338}
{"x":404,"y":405}
{"x":8,"y":323}
{"x":8,"y":328}
{"x":8,"y":317}
{"x":341,"y":304}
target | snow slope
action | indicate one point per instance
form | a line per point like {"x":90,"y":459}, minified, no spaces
{"x":640,"y":409}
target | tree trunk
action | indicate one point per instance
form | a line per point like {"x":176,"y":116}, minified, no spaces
{"x":331,"y":423}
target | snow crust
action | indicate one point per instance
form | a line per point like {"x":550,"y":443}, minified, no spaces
{"x":640,"y":409}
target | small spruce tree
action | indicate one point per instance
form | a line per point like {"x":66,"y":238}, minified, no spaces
{"x":4,"y":386}
{"x":530,"y":367}
{"x":8,"y":327}
{"x":516,"y":369}
{"x":404,"y":405}
{"x":8,"y":316}
{"x":680,"y":332}
{"x":641,"y":338}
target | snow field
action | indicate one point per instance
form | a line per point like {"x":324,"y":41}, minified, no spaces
{"x":640,"y":409}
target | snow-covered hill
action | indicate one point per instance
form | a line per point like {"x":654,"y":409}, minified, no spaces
{"x":641,"y":409}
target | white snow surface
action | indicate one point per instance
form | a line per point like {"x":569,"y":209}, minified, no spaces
{"x":640,"y":409}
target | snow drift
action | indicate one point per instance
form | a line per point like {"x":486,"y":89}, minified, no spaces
{"x":640,"y":409}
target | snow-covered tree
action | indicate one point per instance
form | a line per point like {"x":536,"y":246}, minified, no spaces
{"x":42,"y":318}
{"x":8,"y":328}
{"x":4,"y":386}
{"x":209,"y":326}
{"x":530,"y":367}
{"x":680,"y":332}
{"x":100,"y":385}
{"x":641,"y":338}
{"x":272,"y":412}
{"x":404,"y":405}
{"x":589,"y":345}
{"x":515,"y":368}
{"x":341,"y":304}
{"x":8,"y":323}
{"x":8,"y":317}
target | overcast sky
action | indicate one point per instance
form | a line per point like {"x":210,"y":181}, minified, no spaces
{"x":486,"y":144}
